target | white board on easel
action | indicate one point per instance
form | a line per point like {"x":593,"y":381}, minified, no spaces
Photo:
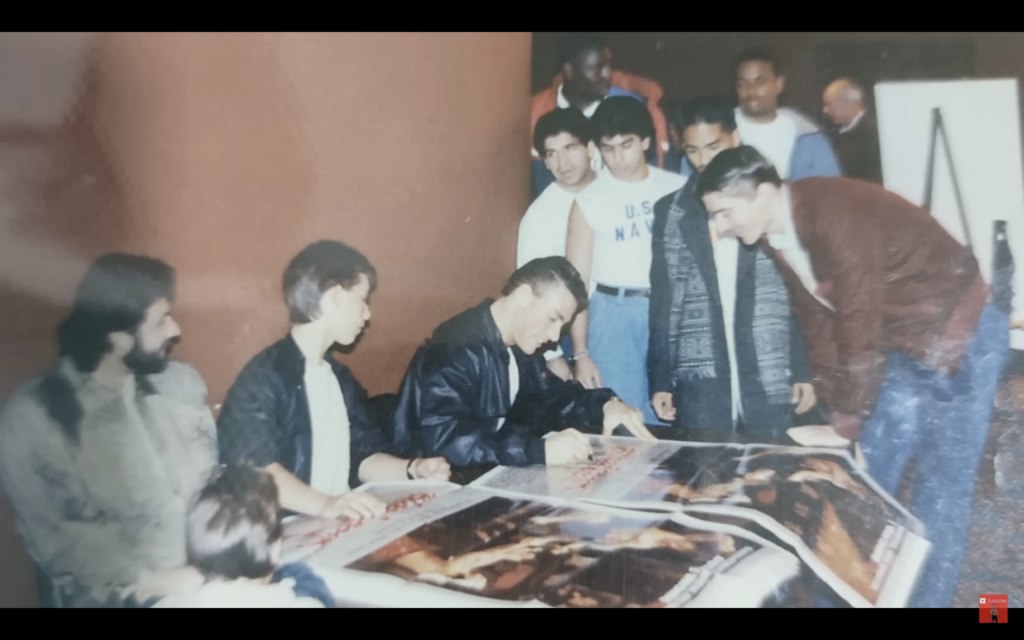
{"x":982,"y":124}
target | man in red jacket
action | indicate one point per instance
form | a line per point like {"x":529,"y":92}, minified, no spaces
{"x":586,"y":80}
{"x":909,"y":347}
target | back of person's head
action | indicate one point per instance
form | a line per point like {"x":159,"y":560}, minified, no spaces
{"x":759,"y":54}
{"x":114,"y":296}
{"x":622,"y":116}
{"x":737,"y":172}
{"x":704,"y":110}
{"x":542,"y":273}
{"x":318,"y":268}
{"x":574,"y":45}
{"x":559,"y":121}
{"x":233,"y":525}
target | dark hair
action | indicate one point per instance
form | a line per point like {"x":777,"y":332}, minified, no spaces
{"x":553,"y":123}
{"x":758,"y":54}
{"x":541,"y":273}
{"x":621,"y":116}
{"x":114,"y":295}
{"x":316,"y":269}
{"x":233,"y":524}
{"x":737,"y":171}
{"x":575,"y":44}
{"x":704,"y":110}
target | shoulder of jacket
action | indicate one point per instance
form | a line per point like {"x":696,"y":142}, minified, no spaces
{"x":262,"y":369}
{"x":180,"y":381}
{"x":23,"y":407}
{"x":666,"y":202}
{"x":650,"y":89}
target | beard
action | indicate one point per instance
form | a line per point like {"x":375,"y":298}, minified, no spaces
{"x":148,"y":363}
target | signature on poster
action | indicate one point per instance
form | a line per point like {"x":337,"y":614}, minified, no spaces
{"x":327,"y":532}
{"x":585,"y":476}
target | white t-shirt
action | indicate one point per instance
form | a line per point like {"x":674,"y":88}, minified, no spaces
{"x":621,"y":215}
{"x":727,"y":255}
{"x":544,"y":227}
{"x":513,"y":382}
{"x":788,"y":243}
{"x":775,"y":140}
{"x":330,"y":425}
{"x":543,"y":231}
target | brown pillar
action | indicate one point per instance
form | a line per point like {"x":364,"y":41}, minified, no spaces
{"x":224,"y":154}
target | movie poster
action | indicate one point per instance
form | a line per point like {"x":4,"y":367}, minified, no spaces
{"x":816,"y":501}
{"x":470,"y":547}
{"x":619,"y":465}
{"x":861,"y":542}
{"x":409,"y":503}
{"x":528,"y":552}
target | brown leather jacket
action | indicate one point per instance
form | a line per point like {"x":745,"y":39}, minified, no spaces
{"x":897,"y":279}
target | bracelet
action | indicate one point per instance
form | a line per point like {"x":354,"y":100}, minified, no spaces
{"x":577,"y":356}
{"x":408,"y":469}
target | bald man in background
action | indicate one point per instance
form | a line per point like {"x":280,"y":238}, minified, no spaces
{"x":855,"y":137}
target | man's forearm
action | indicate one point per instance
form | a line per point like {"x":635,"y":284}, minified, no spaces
{"x":383,"y":467}
{"x":579,"y":333}
{"x":294,"y":494}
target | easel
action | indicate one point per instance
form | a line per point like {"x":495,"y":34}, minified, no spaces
{"x":929,"y":185}
{"x":1001,"y":285}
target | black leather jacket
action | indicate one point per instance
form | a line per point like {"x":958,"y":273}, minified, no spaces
{"x":265,"y":418}
{"x":457,"y":389}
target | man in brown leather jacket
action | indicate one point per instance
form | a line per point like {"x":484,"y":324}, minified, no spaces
{"x":908,"y":348}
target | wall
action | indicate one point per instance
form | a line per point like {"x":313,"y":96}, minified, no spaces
{"x":224,"y":154}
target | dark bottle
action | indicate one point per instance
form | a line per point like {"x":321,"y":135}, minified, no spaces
{"x":1002,"y":269}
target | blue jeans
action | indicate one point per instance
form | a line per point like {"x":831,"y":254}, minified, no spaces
{"x":617,"y":336}
{"x":943,"y":423}
{"x":566,"y":344}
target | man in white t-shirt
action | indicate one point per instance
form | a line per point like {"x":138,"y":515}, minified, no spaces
{"x":299,"y":413}
{"x":790,"y":140}
{"x":563,"y":136}
{"x":609,"y":242}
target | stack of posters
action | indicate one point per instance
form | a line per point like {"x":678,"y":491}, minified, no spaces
{"x":644,"y":524}
{"x":815,"y":502}
{"x":445,"y":546}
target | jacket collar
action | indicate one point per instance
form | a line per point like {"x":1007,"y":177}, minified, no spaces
{"x":84,"y":383}
{"x":288,"y":359}
{"x":489,"y":330}
{"x":853,"y":123}
{"x":474,"y":326}
{"x":797,"y":220}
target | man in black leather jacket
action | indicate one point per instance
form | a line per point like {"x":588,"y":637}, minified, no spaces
{"x":479,"y":392}
{"x":299,"y":413}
